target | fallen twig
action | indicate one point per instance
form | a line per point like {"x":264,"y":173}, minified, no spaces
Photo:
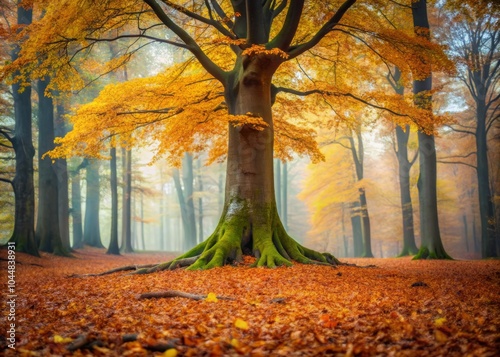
{"x":115,"y":270}
{"x":175,"y":293}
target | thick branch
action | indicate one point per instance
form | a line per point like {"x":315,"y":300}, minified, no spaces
{"x":323,"y":31}
{"x":289,"y":28}
{"x":192,"y":46}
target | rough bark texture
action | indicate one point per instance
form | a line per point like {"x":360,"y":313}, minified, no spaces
{"x":91,"y":228}
{"x":22,"y":142}
{"x":47,"y":228}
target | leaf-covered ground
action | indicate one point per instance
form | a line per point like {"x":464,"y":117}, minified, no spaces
{"x":400,"y":307}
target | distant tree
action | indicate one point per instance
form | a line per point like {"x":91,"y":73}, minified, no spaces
{"x":47,"y":232}
{"x":473,"y":39}
{"x":91,"y":227}
{"x":431,"y":244}
{"x":113,"y":242}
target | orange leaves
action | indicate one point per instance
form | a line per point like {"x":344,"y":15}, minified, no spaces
{"x":361,"y":312}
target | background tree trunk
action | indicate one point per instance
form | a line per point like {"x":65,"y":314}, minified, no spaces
{"x":76,"y":210}
{"x":126,"y":246}
{"x":185,"y":197}
{"x":91,"y":228}
{"x":113,"y":242}
{"x":431,"y":246}
{"x":22,"y":142}
{"x":47,"y":229}
{"x":61,"y":167}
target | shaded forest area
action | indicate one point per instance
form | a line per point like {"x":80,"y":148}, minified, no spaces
{"x":409,"y":308}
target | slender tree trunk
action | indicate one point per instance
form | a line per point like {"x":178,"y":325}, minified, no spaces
{"x":23,"y":185}
{"x":185,"y":197}
{"x":61,"y":167}
{"x":487,"y":216}
{"x":357,"y":230}
{"x":47,"y":229}
{"x":404,"y":167}
{"x":284,"y":198}
{"x":113,"y":242}
{"x":162,"y":212}
{"x":76,"y":210}
{"x":142,"y":222}
{"x":365,"y":219}
{"x":466,"y":232}
{"x":126,"y":246}
{"x":91,"y":228}
{"x":200,"y":204}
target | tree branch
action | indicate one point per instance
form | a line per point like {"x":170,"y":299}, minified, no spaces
{"x":322,"y":32}
{"x":456,"y":162}
{"x":191,"y":44}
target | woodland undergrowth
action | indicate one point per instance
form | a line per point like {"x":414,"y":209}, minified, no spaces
{"x":399,"y":307}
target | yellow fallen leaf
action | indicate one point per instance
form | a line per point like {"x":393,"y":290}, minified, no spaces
{"x":235,"y":343}
{"x":172,"y":352}
{"x":211,"y":297}
{"x":60,"y":339}
{"x":241,"y":324}
{"x":439,"y":321}
{"x":440,"y":336}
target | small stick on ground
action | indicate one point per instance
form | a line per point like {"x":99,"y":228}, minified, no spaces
{"x":115,"y":270}
{"x":175,"y":293}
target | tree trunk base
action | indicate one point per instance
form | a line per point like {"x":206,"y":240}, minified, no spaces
{"x":408,"y":251}
{"x":235,"y":236}
{"x":427,"y":253}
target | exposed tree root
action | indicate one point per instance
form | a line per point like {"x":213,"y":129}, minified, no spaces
{"x":175,"y":293}
{"x":432,"y":253}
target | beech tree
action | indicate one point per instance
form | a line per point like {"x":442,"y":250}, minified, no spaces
{"x":261,"y":36}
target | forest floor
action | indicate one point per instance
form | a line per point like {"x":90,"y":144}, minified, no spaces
{"x":399,"y":307}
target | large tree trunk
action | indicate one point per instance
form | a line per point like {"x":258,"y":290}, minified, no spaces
{"x":431,"y":246}
{"x":250,"y":223}
{"x":91,"y":228}
{"x":24,"y":192}
{"x":47,"y":229}
{"x":113,"y":242}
